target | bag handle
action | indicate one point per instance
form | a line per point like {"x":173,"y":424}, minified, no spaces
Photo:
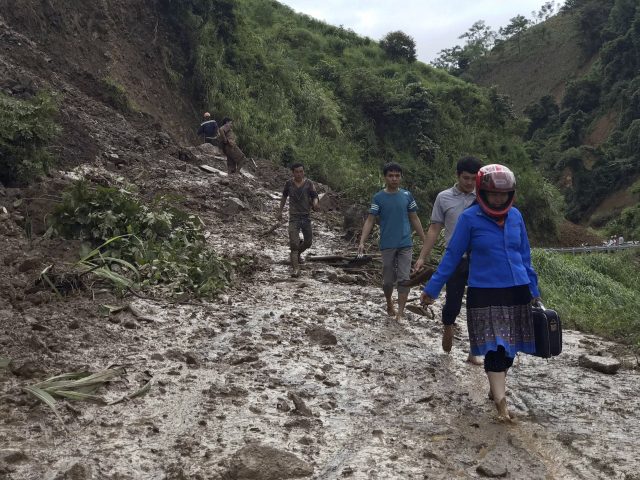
{"x":540,"y":305}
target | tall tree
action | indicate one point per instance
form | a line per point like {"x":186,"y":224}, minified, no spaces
{"x":479,"y":41}
{"x":517,"y":26}
{"x":399,"y":46}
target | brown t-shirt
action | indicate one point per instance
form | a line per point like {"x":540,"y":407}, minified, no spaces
{"x":300,"y":198}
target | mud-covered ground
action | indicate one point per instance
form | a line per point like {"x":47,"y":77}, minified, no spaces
{"x":280,"y":378}
{"x":291,"y":378}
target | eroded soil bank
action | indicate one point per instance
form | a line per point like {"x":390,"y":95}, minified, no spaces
{"x":290,"y":378}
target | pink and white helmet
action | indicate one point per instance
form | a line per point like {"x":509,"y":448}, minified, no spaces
{"x":495,"y":178}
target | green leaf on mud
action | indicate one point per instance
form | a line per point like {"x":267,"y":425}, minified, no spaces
{"x":138,"y":393}
{"x":64,"y":376}
{"x":72,"y":395}
{"x":107,"y":310}
{"x":47,"y":280}
{"x":46,"y":398}
{"x":96,"y":251}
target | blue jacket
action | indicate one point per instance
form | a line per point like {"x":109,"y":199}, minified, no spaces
{"x":500,"y":257}
{"x":208,"y":128}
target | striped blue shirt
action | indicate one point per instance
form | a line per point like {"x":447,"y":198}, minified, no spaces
{"x":393,"y":210}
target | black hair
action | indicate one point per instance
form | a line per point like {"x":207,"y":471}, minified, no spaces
{"x":468,"y":164}
{"x":391,"y":167}
{"x":296,"y":165}
{"x":226,"y":120}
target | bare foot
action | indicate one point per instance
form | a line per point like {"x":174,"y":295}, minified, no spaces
{"x":503,"y":412}
{"x":473,"y":360}
{"x":391,"y":310}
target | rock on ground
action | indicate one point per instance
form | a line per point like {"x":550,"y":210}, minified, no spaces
{"x":70,"y":470}
{"x":600,"y":364}
{"x":321,"y":336}
{"x":260,"y":462}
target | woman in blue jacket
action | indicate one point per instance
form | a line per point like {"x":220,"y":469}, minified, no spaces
{"x":502,"y":282}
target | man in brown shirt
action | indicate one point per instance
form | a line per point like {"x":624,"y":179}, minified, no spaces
{"x":302,"y":198}
{"x":235,"y":156}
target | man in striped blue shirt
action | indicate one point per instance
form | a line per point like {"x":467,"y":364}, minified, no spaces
{"x":396,"y":208}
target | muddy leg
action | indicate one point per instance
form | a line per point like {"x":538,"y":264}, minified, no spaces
{"x":496,"y":364}
{"x":294,"y":243}
{"x":231,"y":165}
{"x":403,"y":270}
{"x":295,"y":267}
{"x":391,"y":309}
{"x":389,"y":278}
{"x":307,"y":235}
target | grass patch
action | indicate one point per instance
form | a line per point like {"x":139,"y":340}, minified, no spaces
{"x":597,"y":293}
{"x":116,"y":95}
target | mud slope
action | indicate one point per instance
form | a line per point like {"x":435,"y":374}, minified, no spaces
{"x":311,"y":367}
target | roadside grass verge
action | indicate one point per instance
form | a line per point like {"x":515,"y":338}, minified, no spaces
{"x":596,"y":293}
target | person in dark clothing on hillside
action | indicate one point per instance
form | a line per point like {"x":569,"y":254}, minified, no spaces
{"x":208,"y":129}
{"x":235,"y":156}
{"x":303,"y":197}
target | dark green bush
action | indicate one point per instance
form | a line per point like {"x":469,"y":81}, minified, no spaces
{"x":166,"y":245}
{"x":27,"y":128}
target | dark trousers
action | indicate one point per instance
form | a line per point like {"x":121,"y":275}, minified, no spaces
{"x":297,"y":225}
{"x":455,"y":292}
{"x":497,"y":361}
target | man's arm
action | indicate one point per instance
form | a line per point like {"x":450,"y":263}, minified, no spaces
{"x":427,"y":245}
{"x":314,"y":196}
{"x":417,"y":226}
{"x":366,"y":230}
{"x":223,"y":135}
{"x":283,"y":200}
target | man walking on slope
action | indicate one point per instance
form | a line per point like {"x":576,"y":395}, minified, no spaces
{"x":208,"y":129}
{"x":448,"y":206}
{"x":303,"y":197}
{"x":396,"y":209}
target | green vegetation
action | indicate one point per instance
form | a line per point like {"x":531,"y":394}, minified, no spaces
{"x":628,"y":222}
{"x":583,"y":106}
{"x":80,"y":386}
{"x":160,"y":243}
{"x":27,"y":127}
{"x":299,"y":89}
{"x":597,"y":293}
{"x":116,"y":95}
{"x":605,"y":98}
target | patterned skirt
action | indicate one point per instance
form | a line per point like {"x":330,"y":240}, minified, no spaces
{"x":500,"y":316}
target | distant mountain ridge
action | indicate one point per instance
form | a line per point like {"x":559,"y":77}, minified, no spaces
{"x":576,"y":79}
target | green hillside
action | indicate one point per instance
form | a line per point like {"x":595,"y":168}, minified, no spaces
{"x":576,"y":78}
{"x":548,"y":56}
{"x":300,"y":89}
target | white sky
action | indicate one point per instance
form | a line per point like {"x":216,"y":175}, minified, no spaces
{"x":433,"y":24}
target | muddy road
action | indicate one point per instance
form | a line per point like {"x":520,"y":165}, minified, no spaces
{"x":298,"y":378}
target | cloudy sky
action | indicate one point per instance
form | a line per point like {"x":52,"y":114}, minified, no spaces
{"x":434,"y":24}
